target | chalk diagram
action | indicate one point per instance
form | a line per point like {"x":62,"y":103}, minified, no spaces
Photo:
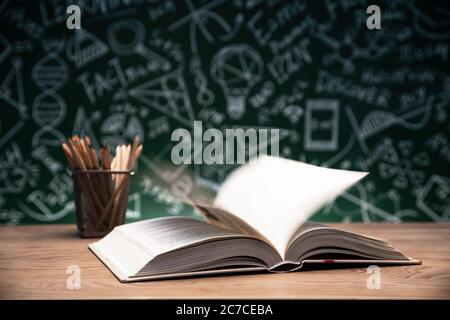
{"x":199,"y":20}
{"x":399,"y":163}
{"x":134,"y":44}
{"x":148,"y":68}
{"x":433,"y":22}
{"x":236,"y":69}
{"x":49,"y":109}
{"x":119,"y":128}
{"x":434,"y":198}
{"x":83,"y":47}
{"x":346,"y":51}
{"x":167,"y":94}
{"x":12,"y":96}
{"x":5,"y":48}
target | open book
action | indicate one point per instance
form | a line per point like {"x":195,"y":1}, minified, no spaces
{"x":258,"y":222}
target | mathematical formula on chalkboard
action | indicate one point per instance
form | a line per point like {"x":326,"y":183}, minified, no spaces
{"x":340,"y":94}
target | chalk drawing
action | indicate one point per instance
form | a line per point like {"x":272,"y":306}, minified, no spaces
{"x":149,"y":67}
{"x":136,"y":44}
{"x":42,"y":154}
{"x":5,"y":48}
{"x":399,"y":163}
{"x":15,"y":171}
{"x":134,"y":199}
{"x":167,"y":94}
{"x":377,"y":121}
{"x":13,"y":101}
{"x":205,"y":97}
{"x":120,"y":128}
{"x":321,"y":125}
{"x":83,"y":124}
{"x":433,"y":27}
{"x":434,"y":198}
{"x":237,"y":69}
{"x":48,"y":111}
{"x":83,"y":48}
{"x":199,"y":19}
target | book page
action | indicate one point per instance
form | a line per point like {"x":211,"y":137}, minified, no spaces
{"x":161,"y":235}
{"x":178,"y":244}
{"x":223,"y":219}
{"x":312,"y":239}
{"x":276,"y":196}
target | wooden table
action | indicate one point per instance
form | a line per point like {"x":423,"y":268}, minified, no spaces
{"x":34,"y":262}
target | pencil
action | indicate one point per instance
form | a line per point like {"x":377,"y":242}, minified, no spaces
{"x":105,"y":194}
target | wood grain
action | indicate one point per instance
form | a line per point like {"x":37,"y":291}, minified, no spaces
{"x":34,"y":260}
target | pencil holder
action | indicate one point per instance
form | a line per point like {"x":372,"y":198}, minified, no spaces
{"x":101,"y":199}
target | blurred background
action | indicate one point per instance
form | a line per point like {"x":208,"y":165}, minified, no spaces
{"x":342,"y":95}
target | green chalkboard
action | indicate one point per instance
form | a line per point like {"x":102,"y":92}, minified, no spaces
{"x":343,"y":96}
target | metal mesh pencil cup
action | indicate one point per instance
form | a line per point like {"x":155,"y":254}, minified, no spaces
{"x":101,"y":200}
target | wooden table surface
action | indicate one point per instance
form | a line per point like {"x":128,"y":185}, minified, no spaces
{"x":34,"y":262}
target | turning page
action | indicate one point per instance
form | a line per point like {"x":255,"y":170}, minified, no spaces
{"x":276,"y":196}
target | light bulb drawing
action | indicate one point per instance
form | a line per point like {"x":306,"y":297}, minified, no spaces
{"x":236,"y":68}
